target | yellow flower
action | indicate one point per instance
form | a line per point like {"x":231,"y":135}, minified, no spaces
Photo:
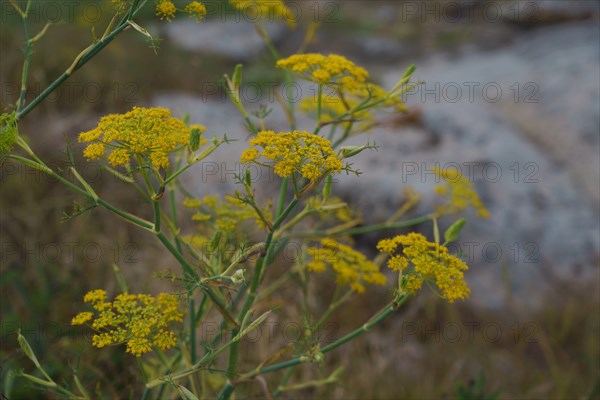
{"x":321,"y":76}
{"x":196,"y":9}
{"x":94,"y":151}
{"x":82,"y":318}
{"x":191,"y":203}
{"x":339,"y":102}
{"x":460,"y":192}
{"x":147,"y":132}
{"x":165,"y":9}
{"x":140,"y":321}
{"x":265,"y":9}
{"x":332,"y":69}
{"x":95,"y":296}
{"x":226,"y":215}
{"x":295,"y":152}
{"x":249,"y":155}
{"x":430,"y":262}
{"x":352,"y":268}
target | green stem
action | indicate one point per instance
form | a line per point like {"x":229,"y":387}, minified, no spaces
{"x":344,"y":135}
{"x":332,"y":307}
{"x":256,"y":279}
{"x":192,"y":331}
{"x":89,"y":54}
{"x":205,"y":360}
{"x":282,"y":194}
{"x":367,"y":228}
{"x":187,"y":267}
{"x":26,"y":62}
{"x":319,"y":108}
{"x":283,"y":382}
{"x":129,"y":217}
{"x":205,"y":153}
{"x":228,"y":388}
{"x":259,"y":247}
{"x":152,"y":195}
{"x":380,"y":316}
{"x":174,"y":218}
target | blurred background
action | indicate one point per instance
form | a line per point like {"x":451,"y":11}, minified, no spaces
{"x":511,"y":96}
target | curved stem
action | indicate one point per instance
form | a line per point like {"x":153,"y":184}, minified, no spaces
{"x":28,"y":47}
{"x":88,"y":54}
{"x":228,"y":388}
{"x":319,"y":108}
{"x":366,"y":228}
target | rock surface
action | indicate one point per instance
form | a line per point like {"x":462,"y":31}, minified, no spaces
{"x":533,"y":155}
{"x":521,"y":122}
{"x":235,"y":40}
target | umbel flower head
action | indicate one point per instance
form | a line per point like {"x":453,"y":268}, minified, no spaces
{"x":294,"y":152}
{"x":332,"y":69}
{"x":147,"y":132}
{"x":266,"y":10}
{"x":140,"y":321}
{"x":227,"y":215}
{"x":460,"y":192}
{"x":196,"y":10}
{"x":423,"y":261}
{"x":352,"y":268}
{"x":166,"y":9}
{"x":340,"y":102}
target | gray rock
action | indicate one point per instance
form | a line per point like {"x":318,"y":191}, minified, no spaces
{"x":521,"y":122}
{"x":535,"y":163}
{"x":236,"y":40}
{"x":555,"y":10}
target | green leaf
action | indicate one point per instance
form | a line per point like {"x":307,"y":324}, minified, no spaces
{"x":120,"y":278}
{"x":8,"y":132}
{"x":452,"y":232}
{"x":327,"y":186}
{"x":195,"y":139}
{"x":26,"y":348}
{"x":409,"y":71}
{"x":237,"y":76}
{"x":39,"y":381}
{"x":185,"y":393}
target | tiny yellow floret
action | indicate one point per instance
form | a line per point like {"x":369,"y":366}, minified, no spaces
{"x":310,"y":155}
{"x":266,"y":10}
{"x":460,"y":192}
{"x":140,"y":321}
{"x":430,"y":262}
{"x":352,"y":268}
{"x":332,"y":69}
{"x":165,"y":9}
{"x":148,"y":133}
{"x":196,"y":10}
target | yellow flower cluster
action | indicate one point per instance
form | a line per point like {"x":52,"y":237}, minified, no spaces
{"x":351,"y":267}
{"x":376,"y":92}
{"x":265,"y":9}
{"x":226,"y":215}
{"x":333,"y":209}
{"x":332,"y":69}
{"x":310,"y":155}
{"x":148,"y":132}
{"x":430,"y":261}
{"x":141,"y":321}
{"x":460,"y":193}
{"x":165,"y":9}
{"x":196,"y":9}
{"x":333,"y":106}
